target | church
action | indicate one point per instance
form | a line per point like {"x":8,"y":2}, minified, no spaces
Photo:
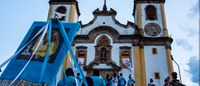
{"x":142,"y":47}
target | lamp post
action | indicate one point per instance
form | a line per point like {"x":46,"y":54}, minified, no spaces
{"x":178,"y":68}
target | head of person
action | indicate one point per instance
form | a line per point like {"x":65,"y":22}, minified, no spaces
{"x":151,"y":80}
{"x":96,"y":72}
{"x":168,"y":77}
{"x":121,"y":74}
{"x":78,"y":74}
{"x":114,"y":74}
{"x":107,"y":76}
{"x":129,"y":76}
{"x":166,"y":80}
{"x":174,"y":75}
{"x":69,"y":72}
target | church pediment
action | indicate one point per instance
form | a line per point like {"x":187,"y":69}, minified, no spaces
{"x":109,"y":20}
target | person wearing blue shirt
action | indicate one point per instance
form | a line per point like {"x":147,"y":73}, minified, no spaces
{"x":121,"y":81}
{"x":107,"y":80}
{"x":79,"y":79}
{"x":98,"y":81}
{"x":131,"y":81}
{"x":114,"y":80}
{"x":69,"y":80}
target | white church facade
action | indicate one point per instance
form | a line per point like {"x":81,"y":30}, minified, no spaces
{"x":142,"y":47}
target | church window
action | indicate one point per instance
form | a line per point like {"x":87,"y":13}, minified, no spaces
{"x":157,"y":75}
{"x":151,"y":12}
{"x":125,"y":59}
{"x":81,"y":55}
{"x":61,"y":10}
{"x":81,"y":58}
{"x":154,"y":51}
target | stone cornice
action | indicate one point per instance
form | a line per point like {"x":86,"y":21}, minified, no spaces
{"x":136,"y":40}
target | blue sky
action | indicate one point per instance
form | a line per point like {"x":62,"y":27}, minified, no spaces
{"x":182,"y":18}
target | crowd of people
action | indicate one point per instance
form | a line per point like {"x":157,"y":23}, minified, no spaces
{"x":97,"y":80}
{"x":168,"y":82}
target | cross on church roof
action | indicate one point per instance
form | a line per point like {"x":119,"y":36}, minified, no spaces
{"x":104,"y":6}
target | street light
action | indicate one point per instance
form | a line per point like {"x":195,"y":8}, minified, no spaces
{"x":178,"y":68}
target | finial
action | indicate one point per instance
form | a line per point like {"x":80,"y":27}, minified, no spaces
{"x":104,"y":6}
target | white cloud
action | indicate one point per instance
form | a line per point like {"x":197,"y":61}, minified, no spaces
{"x":191,"y":31}
{"x":194,"y":10}
{"x":184,"y":44}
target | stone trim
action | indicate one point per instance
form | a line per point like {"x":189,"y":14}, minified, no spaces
{"x":81,"y":47}
{"x":136,"y":40}
{"x":117,"y":38}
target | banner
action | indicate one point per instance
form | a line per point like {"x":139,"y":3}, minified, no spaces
{"x":81,"y":61}
{"x":38,"y":59}
{"x":127,"y":62}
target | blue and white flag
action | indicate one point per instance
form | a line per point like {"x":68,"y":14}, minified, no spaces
{"x":127,"y":62}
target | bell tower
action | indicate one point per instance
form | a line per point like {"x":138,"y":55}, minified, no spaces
{"x":150,"y":17}
{"x":154,"y":51}
{"x":64,"y":10}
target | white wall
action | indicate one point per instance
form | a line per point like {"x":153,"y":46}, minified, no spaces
{"x":156,"y":63}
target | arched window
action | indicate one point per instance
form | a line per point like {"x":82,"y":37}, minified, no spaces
{"x":151,"y":12}
{"x":61,"y":10}
{"x":82,"y":58}
{"x":125,"y":59}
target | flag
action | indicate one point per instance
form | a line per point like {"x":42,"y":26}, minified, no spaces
{"x":81,"y":61}
{"x":127,"y":62}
